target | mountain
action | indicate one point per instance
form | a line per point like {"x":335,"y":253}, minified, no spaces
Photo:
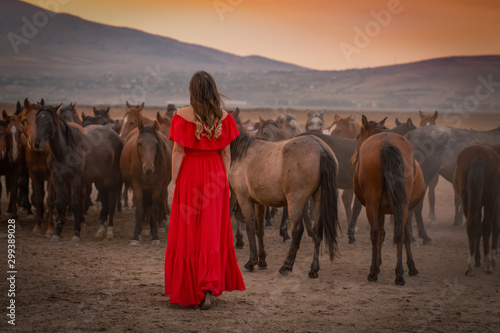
{"x":60,"y":43}
{"x":65,"y":58}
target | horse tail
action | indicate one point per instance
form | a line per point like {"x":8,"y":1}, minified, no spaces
{"x":328,"y":222}
{"x":393,"y":168}
{"x":475,"y":185}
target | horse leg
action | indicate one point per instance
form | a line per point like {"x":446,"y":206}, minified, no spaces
{"x":113,"y":198}
{"x":146,"y":221}
{"x":381,"y":239}
{"x":295,"y":209}
{"x":103,"y":216}
{"x":284,"y":226}
{"x":372,"y":215}
{"x":248,"y":209}
{"x":76,"y":191}
{"x":269,"y":219}
{"x":317,"y":234}
{"x":347,"y":196}
{"x":51,"y":203}
{"x":239,"y":221}
{"x":37,"y":191}
{"x":125,"y":195}
{"x":495,"y":233}
{"x":400,"y":281}
{"x":458,"y":212}
{"x":259,"y":216}
{"x":60,"y":190}
{"x":489,"y":216}
{"x":356,"y":210}
{"x":306,"y":218}
{"x":422,"y":233}
{"x":431,"y":194}
{"x":412,"y":270}
{"x":139,"y":214}
{"x":155,"y":213}
{"x":163,"y":210}
{"x":13,"y":186}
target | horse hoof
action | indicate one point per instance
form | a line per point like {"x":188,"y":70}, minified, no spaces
{"x":55,"y":239}
{"x":240,"y":245}
{"x":488,"y":270}
{"x":269,"y":227}
{"x":415,"y":244}
{"x":134,"y":242}
{"x":287,"y":241}
{"x":162,"y":230}
{"x":75,"y":239}
{"x":469,"y":273}
{"x":156,"y":242}
{"x":146,"y":232}
{"x":372,"y":277}
{"x":400,"y":281}
{"x":49,"y":233}
{"x":99,"y":234}
{"x":313,"y":274}
{"x":354,"y":242}
{"x":427,"y":241}
{"x":110,"y":236}
{"x":262,"y":263}
{"x":37,"y":232}
{"x":249,"y":267}
{"x":285,"y":271}
{"x":414,"y":273}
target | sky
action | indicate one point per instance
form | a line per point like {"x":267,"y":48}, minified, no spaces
{"x":317,"y":34}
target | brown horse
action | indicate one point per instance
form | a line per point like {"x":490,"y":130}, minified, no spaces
{"x":427,"y":119}
{"x":38,"y":169}
{"x":146,"y":164}
{"x":315,"y":121}
{"x":131,"y":118}
{"x":476,"y":181}
{"x":78,"y":158}
{"x":69,"y":114}
{"x":288,"y":125}
{"x":387,"y":180}
{"x":296,"y":169}
{"x":344,"y":127}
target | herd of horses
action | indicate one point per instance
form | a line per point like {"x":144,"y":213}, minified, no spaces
{"x":388,"y":171}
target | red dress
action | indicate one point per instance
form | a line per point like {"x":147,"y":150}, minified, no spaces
{"x":200,"y":253}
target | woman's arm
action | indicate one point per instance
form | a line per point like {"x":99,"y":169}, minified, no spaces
{"x":177,"y":155}
{"x":226,"y":157}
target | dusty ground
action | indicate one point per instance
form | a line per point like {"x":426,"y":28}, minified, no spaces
{"x":101,"y":285}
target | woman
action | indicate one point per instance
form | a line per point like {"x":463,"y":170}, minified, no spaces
{"x":200,"y":261}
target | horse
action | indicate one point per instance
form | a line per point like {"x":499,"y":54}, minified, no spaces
{"x":78,"y":158}
{"x":436,"y":149}
{"x":387,"y":180}
{"x":38,"y":170}
{"x":296,"y":169}
{"x":315,"y":121}
{"x":11,"y":159}
{"x":93,"y":120}
{"x":403,"y":128}
{"x":103,"y":112}
{"x":131,"y":118}
{"x":288,"y":125}
{"x":344,"y":127}
{"x":427,"y":119}
{"x":146,"y":164}
{"x":476,"y":180}
{"x":69,"y":114}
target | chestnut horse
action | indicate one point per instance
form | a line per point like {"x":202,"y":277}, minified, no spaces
{"x":476,"y":181}
{"x":296,"y":169}
{"x":78,"y":158}
{"x":427,"y":119}
{"x":387,"y":180}
{"x":38,"y":169}
{"x":131,"y":118}
{"x":146,"y":164}
{"x":344,"y":127}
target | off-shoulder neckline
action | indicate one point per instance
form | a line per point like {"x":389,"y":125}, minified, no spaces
{"x":192,"y":122}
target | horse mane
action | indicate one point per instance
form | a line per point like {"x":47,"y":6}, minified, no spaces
{"x":240,"y":145}
{"x":378,"y":128}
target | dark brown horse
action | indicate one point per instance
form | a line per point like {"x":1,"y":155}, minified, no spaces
{"x":78,"y":158}
{"x":146,"y":164}
{"x":69,"y":114}
{"x":36,"y":162}
{"x":296,"y":169}
{"x":387,"y":180}
{"x":476,"y":181}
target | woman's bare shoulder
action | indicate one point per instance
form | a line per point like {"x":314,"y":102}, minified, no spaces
{"x":187,"y":113}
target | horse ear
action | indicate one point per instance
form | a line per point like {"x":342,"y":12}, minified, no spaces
{"x":309,"y":112}
{"x":421,"y":114}
{"x":42,"y":102}
{"x":4,"y":115}
{"x":410,"y":123}
{"x":58,"y":108}
{"x":19,"y":109}
{"x":364,"y":120}
{"x":348,"y":118}
{"x":236,"y":112}
{"x":336,"y":116}
{"x":382,"y":122}
{"x":128,"y":105}
{"x":435,"y":115}
{"x":397,"y":122}
{"x":141,"y":106}
{"x":141,"y":125}
{"x":84,"y":116}
{"x":93,"y":109}
{"x":107,"y":109}
{"x":322,"y":112}
{"x":159,"y":118}
{"x":155,"y":125}
{"x":26,"y":103}
{"x":262,"y":121}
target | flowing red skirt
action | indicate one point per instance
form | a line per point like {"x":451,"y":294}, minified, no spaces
{"x":200,"y":253}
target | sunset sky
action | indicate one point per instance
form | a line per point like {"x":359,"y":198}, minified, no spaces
{"x":315,"y":34}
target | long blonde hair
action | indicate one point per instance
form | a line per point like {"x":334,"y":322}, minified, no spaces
{"x":206,"y":103}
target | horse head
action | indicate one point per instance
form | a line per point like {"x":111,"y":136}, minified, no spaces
{"x":344,"y":127}
{"x":15,"y":135}
{"x":131,"y":119}
{"x":403,"y":128}
{"x":149,"y":146}
{"x":46,"y":121}
{"x":4,"y":139}
{"x":28,"y":115}
{"x":288,"y":125}
{"x":368,"y":129}
{"x":69,"y":114}
{"x":315,"y":121}
{"x":427,"y":119}
{"x":104,"y":112}
{"x":269,"y":130}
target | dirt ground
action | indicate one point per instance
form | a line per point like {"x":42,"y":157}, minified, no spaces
{"x":109,"y":285}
